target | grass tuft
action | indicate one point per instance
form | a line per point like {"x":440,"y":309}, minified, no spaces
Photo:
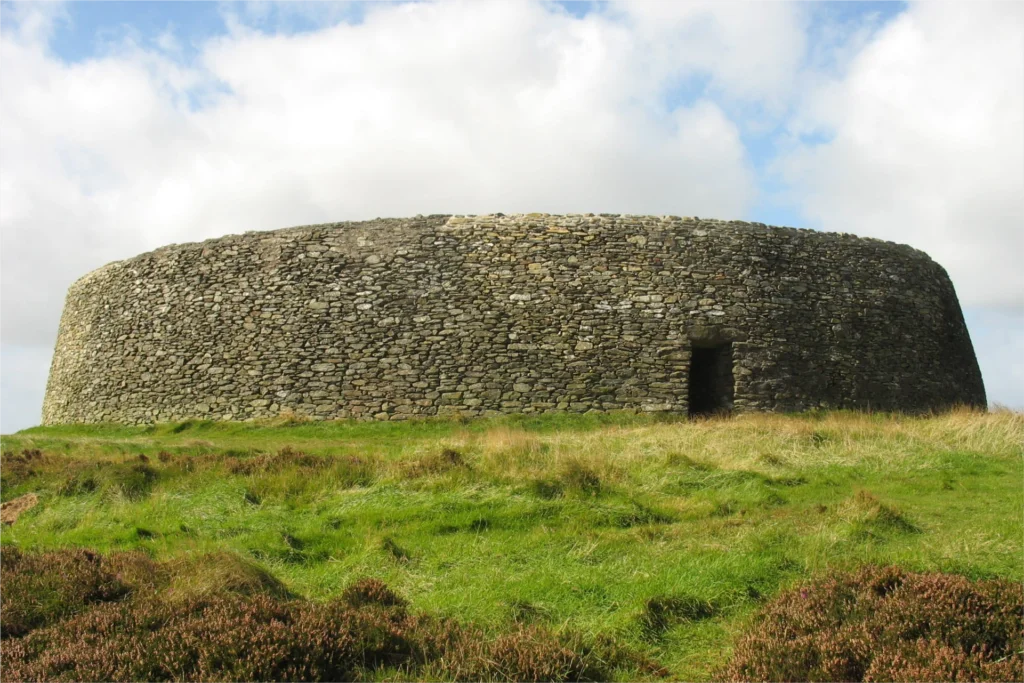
{"x":371,"y":591}
{"x":219,"y":573}
{"x":577,"y":476}
{"x":394,"y":551}
{"x":870,"y":518}
{"x":662,"y":612}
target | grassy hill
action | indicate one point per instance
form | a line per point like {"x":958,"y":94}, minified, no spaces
{"x":663,"y":535}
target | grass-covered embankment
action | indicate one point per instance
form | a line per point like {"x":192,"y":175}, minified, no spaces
{"x":664,"y":536}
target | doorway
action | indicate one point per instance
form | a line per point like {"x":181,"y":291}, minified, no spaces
{"x":711,"y":382}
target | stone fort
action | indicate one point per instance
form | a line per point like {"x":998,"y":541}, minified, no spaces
{"x":391,"y":319}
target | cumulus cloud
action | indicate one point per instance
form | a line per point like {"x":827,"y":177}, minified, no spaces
{"x":472,"y":107}
{"x":34,"y":21}
{"x":749,"y":52}
{"x":926,"y":145}
{"x":456,"y":107}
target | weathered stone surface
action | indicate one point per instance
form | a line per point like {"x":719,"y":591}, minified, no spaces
{"x":390,"y":319}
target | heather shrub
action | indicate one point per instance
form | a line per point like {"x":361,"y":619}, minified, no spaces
{"x":37,"y":589}
{"x":18,"y":468}
{"x":887,"y":624}
{"x":76,"y":615}
{"x":287,"y":457}
{"x":221,"y":638}
{"x":234,"y":637}
{"x":529,"y":653}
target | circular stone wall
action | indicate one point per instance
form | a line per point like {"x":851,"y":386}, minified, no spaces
{"x":390,"y":319}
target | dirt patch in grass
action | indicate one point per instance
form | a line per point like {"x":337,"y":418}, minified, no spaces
{"x":12,"y":509}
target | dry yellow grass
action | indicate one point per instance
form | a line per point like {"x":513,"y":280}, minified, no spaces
{"x":757,"y":442}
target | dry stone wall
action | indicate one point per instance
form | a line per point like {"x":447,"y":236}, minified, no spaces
{"x":395,"y":318}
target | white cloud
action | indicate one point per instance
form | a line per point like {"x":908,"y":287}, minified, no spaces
{"x":457,"y":107}
{"x":76,"y":144}
{"x":477,"y":106}
{"x":34,"y":21}
{"x":750,"y":51}
{"x":928,"y":145}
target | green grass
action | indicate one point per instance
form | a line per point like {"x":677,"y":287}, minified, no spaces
{"x":664,"y":534}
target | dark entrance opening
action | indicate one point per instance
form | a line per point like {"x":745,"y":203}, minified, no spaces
{"x":711,"y":383}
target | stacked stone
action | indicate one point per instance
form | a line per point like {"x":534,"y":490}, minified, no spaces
{"x":529,"y":313}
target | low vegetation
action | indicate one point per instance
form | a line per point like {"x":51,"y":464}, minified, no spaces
{"x":562,"y":547}
{"x":887,"y":624}
{"x":95,"y":623}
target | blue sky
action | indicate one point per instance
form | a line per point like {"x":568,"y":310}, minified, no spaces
{"x":89,"y":27}
{"x":130,"y":125}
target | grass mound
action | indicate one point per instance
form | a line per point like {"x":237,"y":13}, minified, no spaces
{"x":887,"y":624}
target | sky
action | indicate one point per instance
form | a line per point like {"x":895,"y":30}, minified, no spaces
{"x":128,"y":126}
